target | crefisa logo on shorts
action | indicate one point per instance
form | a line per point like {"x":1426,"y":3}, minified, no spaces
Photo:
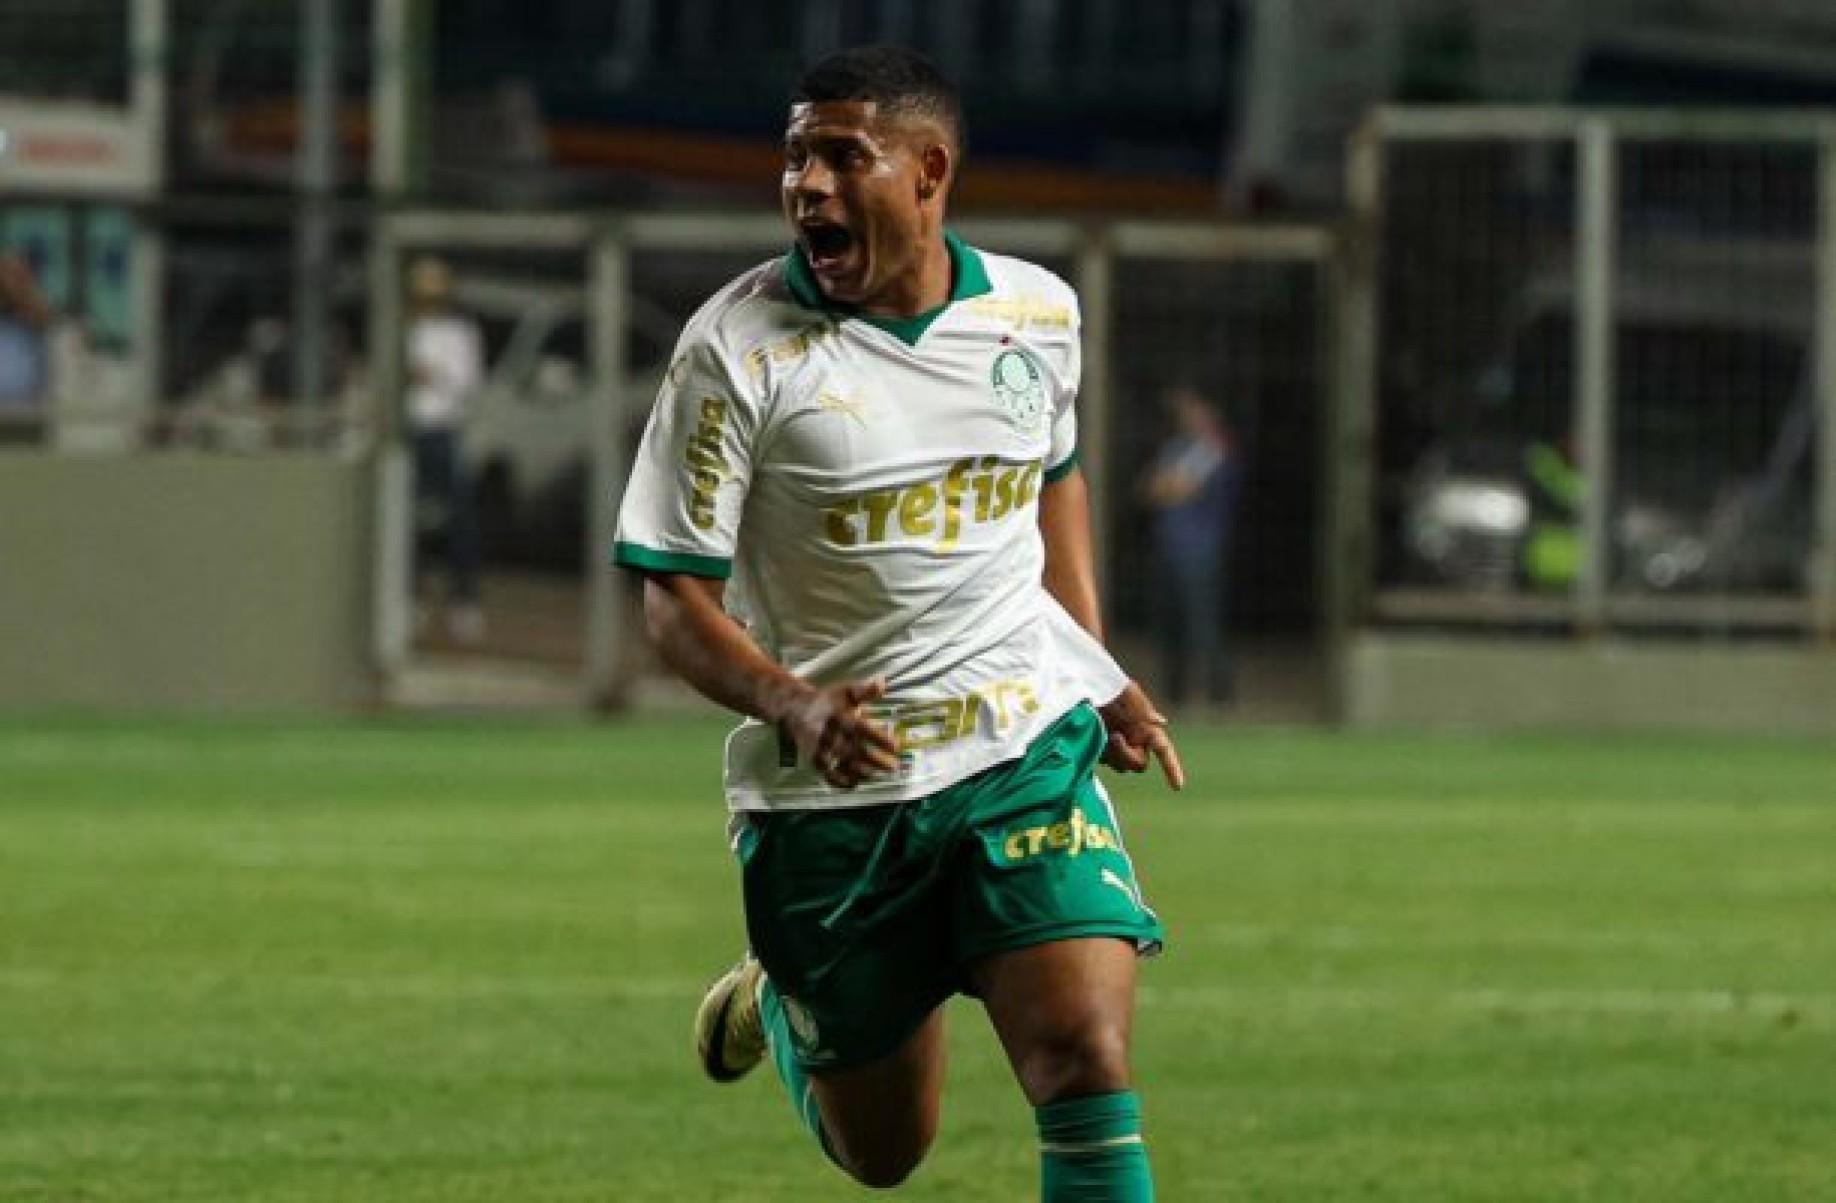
{"x":1019,"y":386}
{"x":1079,"y":834}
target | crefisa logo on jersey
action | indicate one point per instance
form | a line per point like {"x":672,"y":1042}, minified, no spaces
{"x":1019,"y":386}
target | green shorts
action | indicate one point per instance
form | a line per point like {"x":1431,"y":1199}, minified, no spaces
{"x":867,"y":918}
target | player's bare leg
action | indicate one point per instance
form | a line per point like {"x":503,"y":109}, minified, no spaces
{"x":875,"y":1121}
{"x":1065,"y":1014}
{"x":881,"y":1118}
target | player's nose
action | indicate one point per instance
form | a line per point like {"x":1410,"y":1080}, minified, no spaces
{"x":812,"y":183}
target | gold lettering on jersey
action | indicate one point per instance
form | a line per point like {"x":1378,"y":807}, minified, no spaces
{"x":786,"y":350}
{"x":835,"y":403}
{"x":1080,"y":834}
{"x":707,"y":462}
{"x":1022,"y":312}
{"x":980,"y":490}
{"x":933,"y":723}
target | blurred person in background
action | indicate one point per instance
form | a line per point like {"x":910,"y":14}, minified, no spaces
{"x":26,"y":319}
{"x":445,"y":367}
{"x":914,"y":639}
{"x":1191,"y":487}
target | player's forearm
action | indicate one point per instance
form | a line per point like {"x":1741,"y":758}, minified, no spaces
{"x":714,"y":654}
{"x":1070,"y":564}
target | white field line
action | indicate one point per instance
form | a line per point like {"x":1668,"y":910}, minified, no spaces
{"x":1681,"y":1002}
{"x":1490,"y":1000}
{"x":380,"y":985}
{"x":1342,"y":938}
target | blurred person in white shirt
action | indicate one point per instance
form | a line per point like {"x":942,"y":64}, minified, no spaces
{"x":445,"y":363}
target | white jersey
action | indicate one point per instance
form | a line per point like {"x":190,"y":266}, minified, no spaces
{"x":872,"y":487}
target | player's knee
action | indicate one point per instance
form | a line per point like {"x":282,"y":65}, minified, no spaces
{"x":879,"y":1175}
{"x":883,"y":1157}
{"x":883,"y":1168}
{"x":1091,"y":1059}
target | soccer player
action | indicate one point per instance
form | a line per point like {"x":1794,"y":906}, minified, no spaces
{"x":873,"y":441}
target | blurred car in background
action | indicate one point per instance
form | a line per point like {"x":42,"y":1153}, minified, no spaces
{"x":1712,"y":434}
{"x":529,"y":437}
{"x":528,"y":434}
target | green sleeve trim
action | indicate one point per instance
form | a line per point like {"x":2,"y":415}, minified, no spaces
{"x":1061,"y":470}
{"x":649,"y":559}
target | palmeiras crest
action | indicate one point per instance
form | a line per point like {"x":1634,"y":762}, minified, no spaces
{"x":1019,"y":385}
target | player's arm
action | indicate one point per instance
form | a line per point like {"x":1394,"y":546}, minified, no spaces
{"x":1137,"y":729}
{"x":679,"y":526}
{"x":714,"y":654}
{"x":1070,"y":564}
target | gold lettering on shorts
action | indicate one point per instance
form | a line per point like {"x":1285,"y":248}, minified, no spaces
{"x":1077,"y":835}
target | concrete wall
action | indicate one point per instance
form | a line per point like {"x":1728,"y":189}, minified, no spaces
{"x":185,"y":583}
{"x":1447,"y":681}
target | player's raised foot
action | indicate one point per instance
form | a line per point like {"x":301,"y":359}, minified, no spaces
{"x":729,"y":1032}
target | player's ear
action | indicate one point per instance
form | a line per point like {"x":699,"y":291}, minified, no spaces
{"x":934,"y":167}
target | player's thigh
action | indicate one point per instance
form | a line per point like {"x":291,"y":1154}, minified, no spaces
{"x":882,"y":1117}
{"x":1049,"y":918}
{"x":1064,"y":1012}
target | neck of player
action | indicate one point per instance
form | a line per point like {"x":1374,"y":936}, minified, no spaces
{"x":922,"y":288}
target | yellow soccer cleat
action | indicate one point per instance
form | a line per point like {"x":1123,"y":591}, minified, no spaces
{"x":729,"y":1032}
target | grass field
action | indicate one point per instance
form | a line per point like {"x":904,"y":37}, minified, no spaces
{"x":456,"y":961}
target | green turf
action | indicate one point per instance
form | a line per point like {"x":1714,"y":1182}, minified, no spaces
{"x":456,"y":961}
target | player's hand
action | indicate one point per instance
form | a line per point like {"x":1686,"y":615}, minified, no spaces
{"x":835,"y":734}
{"x":1138,"y":734}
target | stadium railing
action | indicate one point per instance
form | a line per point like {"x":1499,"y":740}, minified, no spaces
{"x":1591,"y":353}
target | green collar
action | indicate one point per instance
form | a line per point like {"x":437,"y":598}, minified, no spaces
{"x":969,"y":275}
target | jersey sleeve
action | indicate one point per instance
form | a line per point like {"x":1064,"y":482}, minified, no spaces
{"x":1063,"y":456}
{"x":682,"y":504}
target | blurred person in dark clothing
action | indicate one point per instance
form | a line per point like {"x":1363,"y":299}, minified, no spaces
{"x":25,"y":351}
{"x":1191,"y":486}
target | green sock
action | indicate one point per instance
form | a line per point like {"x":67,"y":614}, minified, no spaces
{"x":1091,"y":1150}
{"x":783,"y":1055}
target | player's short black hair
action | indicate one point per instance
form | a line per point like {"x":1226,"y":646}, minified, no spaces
{"x":896,"y":79}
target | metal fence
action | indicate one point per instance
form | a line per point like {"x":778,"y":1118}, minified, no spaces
{"x":223,"y":276}
{"x":1596,"y":348}
{"x":226,"y":269}
{"x":170,"y":175}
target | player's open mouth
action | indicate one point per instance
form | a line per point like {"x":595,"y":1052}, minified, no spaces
{"x":825,"y":244}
